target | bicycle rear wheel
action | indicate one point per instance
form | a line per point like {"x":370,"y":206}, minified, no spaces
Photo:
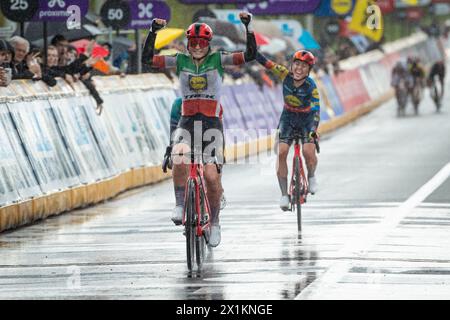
{"x":297,"y":193}
{"x":190,"y":226}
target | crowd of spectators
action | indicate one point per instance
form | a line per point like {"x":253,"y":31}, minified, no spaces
{"x":18,"y":60}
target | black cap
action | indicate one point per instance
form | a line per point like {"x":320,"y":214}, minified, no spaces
{"x":6,"y":46}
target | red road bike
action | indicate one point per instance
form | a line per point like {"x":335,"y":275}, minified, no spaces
{"x":298,"y":189}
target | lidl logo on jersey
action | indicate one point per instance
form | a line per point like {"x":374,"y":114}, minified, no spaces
{"x":198,"y":82}
{"x":315,"y":94}
{"x":293,"y":101}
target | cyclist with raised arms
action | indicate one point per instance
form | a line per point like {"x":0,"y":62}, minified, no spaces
{"x":301,"y":114}
{"x":175,"y":116}
{"x":201,"y":73}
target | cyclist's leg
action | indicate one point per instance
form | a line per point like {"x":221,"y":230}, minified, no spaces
{"x":213,"y":144}
{"x":213,"y":182}
{"x":180,"y":158}
{"x":309,"y":148}
{"x":284,"y":142}
{"x":213,"y":149}
{"x":309,"y":151}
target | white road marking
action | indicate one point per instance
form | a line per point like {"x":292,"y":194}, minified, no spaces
{"x":371,"y":236}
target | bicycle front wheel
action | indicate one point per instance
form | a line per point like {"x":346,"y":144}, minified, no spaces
{"x":297,"y":193}
{"x":200,"y":242}
{"x":190,"y":226}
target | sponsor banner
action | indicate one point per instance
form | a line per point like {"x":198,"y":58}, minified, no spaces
{"x":109,"y":142}
{"x":125,"y":117}
{"x":389,"y":61}
{"x":411,"y":3}
{"x":59,"y":10}
{"x":326,"y":111}
{"x":265,"y":106}
{"x":76,"y":131}
{"x":386,"y":6}
{"x":232,"y":115}
{"x":367,"y":20}
{"x":9,"y":167}
{"x":333,"y":105}
{"x":46,"y":150}
{"x":157,"y":118}
{"x":276,"y":7}
{"x":275,"y":95}
{"x":14,"y":160}
{"x":143,"y":12}
{"x":350,"y":89}
{"x":376,"y":78}
{"x":253,"y":115}
{"x":217,"y":1}
{"x":335,"y":8}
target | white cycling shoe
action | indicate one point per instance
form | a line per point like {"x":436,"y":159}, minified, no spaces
{"x":215,"y":237}
{"x":284,"y":203}
{"x":312,"y":183}
{"x":177,"y":215}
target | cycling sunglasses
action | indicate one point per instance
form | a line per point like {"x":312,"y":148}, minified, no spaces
{"x":202,"y":43}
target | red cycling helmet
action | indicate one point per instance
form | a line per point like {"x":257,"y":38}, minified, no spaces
{"x":199,"y":30}
{"x":305,"y":56}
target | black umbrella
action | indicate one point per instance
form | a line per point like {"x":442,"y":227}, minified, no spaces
{"x":34,"y":31}
{"x":225,"y":28}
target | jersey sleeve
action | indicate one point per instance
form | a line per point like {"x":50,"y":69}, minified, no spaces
{"x":278,"y":70}
{"x":315,"y":106}
{"x":162,"y":62}
{"x":232,"y":59}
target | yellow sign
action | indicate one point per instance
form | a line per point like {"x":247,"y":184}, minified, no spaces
{"x":341,"y":7}
{"x":367,"y":20}
{"x":411,"y":2}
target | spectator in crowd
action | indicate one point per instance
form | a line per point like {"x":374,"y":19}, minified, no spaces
{"x":61,"y":44}
{"x":5,"y":67}
{"x":24,"y":66}
{"x":109,"y":61}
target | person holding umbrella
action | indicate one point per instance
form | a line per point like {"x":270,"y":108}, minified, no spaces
{"x":201,"y":73}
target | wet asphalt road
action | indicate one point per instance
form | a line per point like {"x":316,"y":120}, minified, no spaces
{"x":377,"y":229}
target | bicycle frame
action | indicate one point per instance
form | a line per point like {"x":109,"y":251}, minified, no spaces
{"x":196,"y":175}
{"x":303,"y":180}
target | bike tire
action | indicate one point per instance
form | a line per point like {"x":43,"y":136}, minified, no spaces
{"x":200,"y":242}
{"x":190,"y":226}
{"x":297,"y":193}
{"x":437,"y":99}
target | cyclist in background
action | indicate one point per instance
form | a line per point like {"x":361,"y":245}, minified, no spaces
{"x":201,"y":74}
{"x":437,"y":70}
{"x":401,"y":81}
{"x":416,"y":70}
{"x":301,"y":114}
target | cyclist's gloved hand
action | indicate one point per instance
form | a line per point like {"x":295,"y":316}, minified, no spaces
{"x":157,"y":24}
{"x":313,"y":135}
{"x":245,"y":18}
{"x":166,"y":162}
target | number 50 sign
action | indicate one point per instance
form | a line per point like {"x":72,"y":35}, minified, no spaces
{"x":133,"y":14}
